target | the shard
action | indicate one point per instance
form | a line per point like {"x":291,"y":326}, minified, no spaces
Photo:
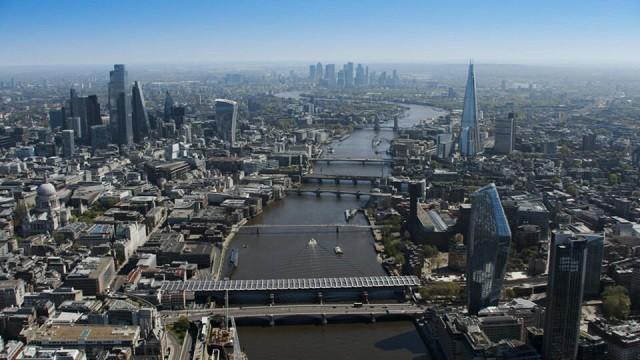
{"x":470,"y":143}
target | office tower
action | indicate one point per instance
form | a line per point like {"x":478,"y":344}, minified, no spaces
{"x":100,"y":135}
{"x":168,"y":106}
{"x":139,"y":116}
{"x":395,"y":80}
{"x":68,"y":143}
{"x":177,"y":114}
{"x":360,"y":78}
{"x":366,"y":75}
{"x":487,"y":249}
{"x":595,"y":252}
{"x":348,"y":75}
{"x":75,"y":124}
{"x":93,"y":111}
{"x":340,"y":80}
{"x":319,"y":72}
{"x":119,"y":102}
{"x":56,"y":118}
{"x":505,"y":134}
{"x":79,"y":110}
{"x":634,"y":287}
{"x":330,"y":75}
{"x":470,"y":143}
{"x":73,"y":94}
{"x":312,"y":72}
{"x":226,"y":118}
{"x":567,"y":267}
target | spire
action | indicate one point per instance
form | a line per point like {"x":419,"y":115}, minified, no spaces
{"x":470,"y":143}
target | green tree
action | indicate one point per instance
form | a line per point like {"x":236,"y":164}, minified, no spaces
{"x":614,"y":179}
{"x":430,"y":251}
{"x":616,"y":302}
{"x":179,"y":328}
{"x":440,"y":288}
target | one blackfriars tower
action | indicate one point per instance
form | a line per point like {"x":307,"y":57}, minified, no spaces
{"x":567,"y":269}
{"x":488,"y":244}
{"x":470,"y":143}
{"x":119,"y":102}
{"x":226,"y":119}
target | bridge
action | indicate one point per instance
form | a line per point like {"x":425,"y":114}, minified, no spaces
{"x":338,"y":178}
{"x":311,"y":290}
{"x":291,"y":284}
{"x":320,"y":191}
{"x":362,"y":161}
{"x":321,"y":311}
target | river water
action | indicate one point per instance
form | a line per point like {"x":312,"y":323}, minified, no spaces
{"x":280,"y":250}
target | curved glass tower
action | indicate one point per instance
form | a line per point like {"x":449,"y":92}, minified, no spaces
{"x":488,"y":249}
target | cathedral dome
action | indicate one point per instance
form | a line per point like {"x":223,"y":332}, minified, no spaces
{"x":46,"y":190}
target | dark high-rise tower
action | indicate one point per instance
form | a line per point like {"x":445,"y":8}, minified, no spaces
{"x":119,"y":102}
{"x":139,"y":115}
{"x":488,"y":249}
{"x":168,"y":106}
{"x":567,"y":267}
{"x":505,"y":134}
{"x":226,"y":118}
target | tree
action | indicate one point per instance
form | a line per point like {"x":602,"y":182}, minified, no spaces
{"x":614,"y":179}
{"x":440,"y":288}
{"x":616,"y":302}
{"x":430,"y":251}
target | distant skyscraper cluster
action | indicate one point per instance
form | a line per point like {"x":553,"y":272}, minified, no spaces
{"x":350,"y":76}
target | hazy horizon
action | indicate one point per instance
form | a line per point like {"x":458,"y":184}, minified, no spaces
{"x":74,"y":32}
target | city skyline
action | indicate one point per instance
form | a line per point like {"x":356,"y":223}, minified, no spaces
{"x":248,"y":31}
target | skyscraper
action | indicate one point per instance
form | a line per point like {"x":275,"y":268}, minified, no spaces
{"x":360,"y":76}
{"x":505,"y":134}
{"x":226,"y":118}
{"x":341,"y":80}
{"x":470,"y":143}
{"x":487,"y":249}
{"x":567,"y":268}
{"x":312,"y":72}
{"x":330,"y":75}
{"x":139,"y":115}
{"x":348,"y":75}
{"x":119,"y":114}
{"x":168,"y":106}
{"x":595,"y":252}
{"x":68,"y":143}
{"x":319,"y":72}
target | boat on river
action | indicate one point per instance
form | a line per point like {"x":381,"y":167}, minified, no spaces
{"x":338,"y":250}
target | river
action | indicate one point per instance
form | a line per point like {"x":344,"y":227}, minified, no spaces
{"x":282,"y":251}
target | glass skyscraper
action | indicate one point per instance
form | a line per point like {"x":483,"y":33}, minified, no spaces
{"x":119,"y":102}
{"x":226,"y":119}
{"x":139,"y":115}
{"x":488,"y":244}
{"x":470,"y":143}
{"x":567,"y":268}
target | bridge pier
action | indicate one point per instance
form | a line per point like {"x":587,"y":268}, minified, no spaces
{"x":373,"y":318}
{"x":336,"y":181}
{"x":299,"y":192}
{"x":272,"y":320}
{"x":355,"y":182}
{"x":363,"y":162}
{"x":338,"y":194}
{"x":272,"y":299}
{"x":324,"y":320}
{"x":365,"y":297}
{"x":318,"y":193}
{"x":320,"y":298}
{"x":358,"y":194}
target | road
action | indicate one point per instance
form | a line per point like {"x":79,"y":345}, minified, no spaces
{"x":298,"y":310}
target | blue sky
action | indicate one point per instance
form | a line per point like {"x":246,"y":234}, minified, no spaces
{"x":207,"y":31}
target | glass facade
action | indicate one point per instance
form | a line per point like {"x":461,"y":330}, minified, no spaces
{"x":567,"y":268}
{"x":488,"y":244}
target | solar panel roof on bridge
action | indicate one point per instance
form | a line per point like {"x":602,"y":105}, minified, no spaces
{"x":291,"y":284}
